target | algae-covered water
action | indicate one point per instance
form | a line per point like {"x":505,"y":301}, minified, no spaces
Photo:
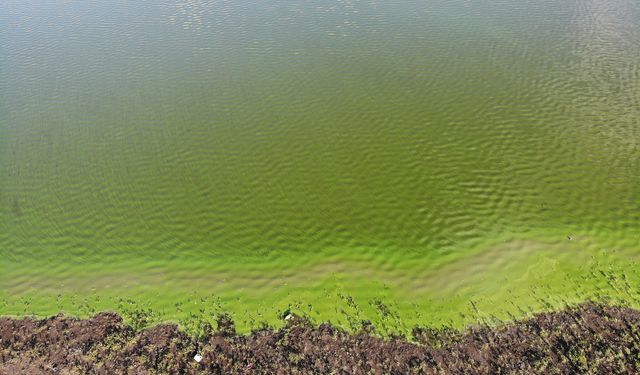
{"x":408,"y":162}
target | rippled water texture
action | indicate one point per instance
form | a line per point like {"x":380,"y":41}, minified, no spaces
{"x":274,"y":154}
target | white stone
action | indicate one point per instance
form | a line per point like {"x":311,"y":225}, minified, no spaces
{"x":197,"y":357}
{"x":288,"y":317}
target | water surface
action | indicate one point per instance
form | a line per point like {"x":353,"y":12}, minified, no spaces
{"x":286,"y":153}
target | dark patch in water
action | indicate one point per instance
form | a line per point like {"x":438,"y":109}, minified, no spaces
{"x":16,"y":209}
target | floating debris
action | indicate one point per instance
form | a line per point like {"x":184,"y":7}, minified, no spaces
{"x":288,"y":317}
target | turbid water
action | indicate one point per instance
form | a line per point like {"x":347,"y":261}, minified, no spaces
{"x":450,"y":160}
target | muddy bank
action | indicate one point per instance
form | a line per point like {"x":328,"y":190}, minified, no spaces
{"x":589,"y":337}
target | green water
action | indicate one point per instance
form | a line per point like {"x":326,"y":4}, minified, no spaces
{"x":455,"y":160}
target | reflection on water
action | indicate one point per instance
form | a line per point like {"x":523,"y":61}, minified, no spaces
{"x":607,"y":67}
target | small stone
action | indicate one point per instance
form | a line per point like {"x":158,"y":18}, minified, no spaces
{"x":197,"y":358}
{"x":288,"y":317}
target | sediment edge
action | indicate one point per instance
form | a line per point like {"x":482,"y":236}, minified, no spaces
{"x":587,"y":338}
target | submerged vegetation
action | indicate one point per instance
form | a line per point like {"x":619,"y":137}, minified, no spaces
{"x":587,"y":338}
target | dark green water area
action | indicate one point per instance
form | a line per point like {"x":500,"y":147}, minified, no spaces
{"x":407,"y":162}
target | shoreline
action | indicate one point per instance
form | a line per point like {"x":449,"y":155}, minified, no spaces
{"x":586,"y":337}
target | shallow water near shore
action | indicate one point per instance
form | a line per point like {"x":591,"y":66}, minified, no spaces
{"x":453,"y":160}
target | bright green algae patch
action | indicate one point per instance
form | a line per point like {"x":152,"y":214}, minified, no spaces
{"x":407,"y":163}
{"x":506,"y":280}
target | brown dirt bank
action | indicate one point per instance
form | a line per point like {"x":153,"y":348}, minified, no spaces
{"x":587,"y":338}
